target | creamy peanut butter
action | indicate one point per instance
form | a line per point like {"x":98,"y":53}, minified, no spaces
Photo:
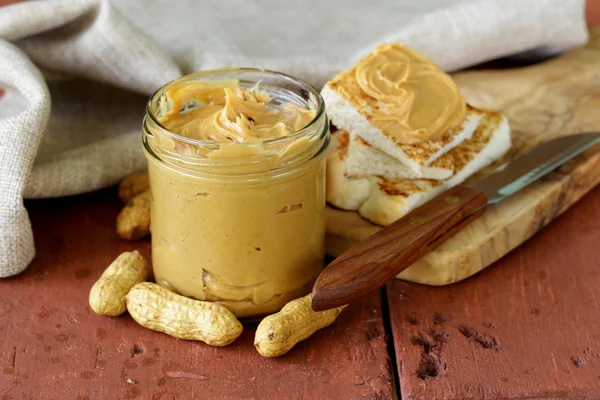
{"x":224,"y":112}
{"x":250,"y":238}
{"x":403,"y":93}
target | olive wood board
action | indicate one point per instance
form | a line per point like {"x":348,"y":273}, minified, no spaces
{"x":542,"y":101}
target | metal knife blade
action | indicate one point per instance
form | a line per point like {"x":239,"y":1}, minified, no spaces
{"x":534,"y":164}
{"x":369,"y":264}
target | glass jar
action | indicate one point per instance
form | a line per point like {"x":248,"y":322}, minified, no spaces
{"x":244,"y":229}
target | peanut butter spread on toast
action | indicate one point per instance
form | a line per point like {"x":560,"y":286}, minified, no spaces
{"x":403,"y":93}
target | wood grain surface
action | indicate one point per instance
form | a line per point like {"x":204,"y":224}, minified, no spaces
{"x":370,"y":264}
{"x":542,"y":304}
{"x":543,"y":101}
{"x":54,"y":347}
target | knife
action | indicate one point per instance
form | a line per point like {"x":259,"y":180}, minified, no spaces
{"x":368,"y":265}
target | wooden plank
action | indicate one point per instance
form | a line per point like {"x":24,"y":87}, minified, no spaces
{"x":542,"y":304}
{"x":55,"y":347}
{"x":542,"y":101}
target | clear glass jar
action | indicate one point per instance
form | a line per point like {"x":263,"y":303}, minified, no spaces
{"x":245,"y":230}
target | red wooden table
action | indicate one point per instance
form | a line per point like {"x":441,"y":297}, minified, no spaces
{"x":526,"y":328}
{"x":55,"y":347}
{"x":540,"y":303}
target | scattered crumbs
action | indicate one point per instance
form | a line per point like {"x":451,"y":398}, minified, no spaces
{"x":485,"y":341}
{"x":74,"y":321}
{"x":467,"y":331}
{"x":535,"y":311}
{"x":413,"y":319}
{"x":431,"y":366}
{"x":489,"y":324}
{"x":488,"y":342}
{"x":136,"y":350}
{"x":433,"y":363}
{"x":440,"y":336}
{"x":133,"y":382}
{"x":578,"y":361}
{"x":257,"y":248}
{"x":424,"y":340}
{"x":440,"y":319}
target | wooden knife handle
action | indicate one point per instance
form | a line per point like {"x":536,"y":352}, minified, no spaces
{"x":370,"y":264}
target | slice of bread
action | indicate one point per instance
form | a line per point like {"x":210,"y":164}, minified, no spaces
{"x":348,"y":194}
{"x":383,"y":201}
{"x":354,"y":118}
{"x":364,"y":160}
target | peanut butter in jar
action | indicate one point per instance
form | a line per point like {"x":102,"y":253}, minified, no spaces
{"x":236,"y":163}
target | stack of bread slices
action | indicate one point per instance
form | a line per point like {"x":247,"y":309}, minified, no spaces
{"x":382,"y":174}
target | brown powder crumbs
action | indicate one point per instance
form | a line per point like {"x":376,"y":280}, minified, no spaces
{"x":467,"y":331}
{"x":423,"y":340}
{"x":440,"y":319}
{"x":413,"y":319}
{"x":486,"y":341}
{"x":578,"y":361}
{"x":433,"y":363}
{"x":432,"y":366}
{"x":440,"y":336}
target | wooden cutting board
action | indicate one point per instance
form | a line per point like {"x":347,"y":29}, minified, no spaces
{"x":543,"y":101}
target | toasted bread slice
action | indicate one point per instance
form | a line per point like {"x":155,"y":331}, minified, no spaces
{"x":384,"y":200}
{"x":364,"y":160}
{"x":347,"y":193}
{"x":355,"y":119}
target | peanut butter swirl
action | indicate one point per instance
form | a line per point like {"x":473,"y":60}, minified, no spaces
{"x":412,"y":99}
{"x":224,"y":112}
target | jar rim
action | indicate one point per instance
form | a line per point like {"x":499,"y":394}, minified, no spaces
{"x":205,"y":143}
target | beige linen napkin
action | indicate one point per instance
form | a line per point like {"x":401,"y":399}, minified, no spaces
{"x":93,"y":135}
{"x":77,"y":72}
